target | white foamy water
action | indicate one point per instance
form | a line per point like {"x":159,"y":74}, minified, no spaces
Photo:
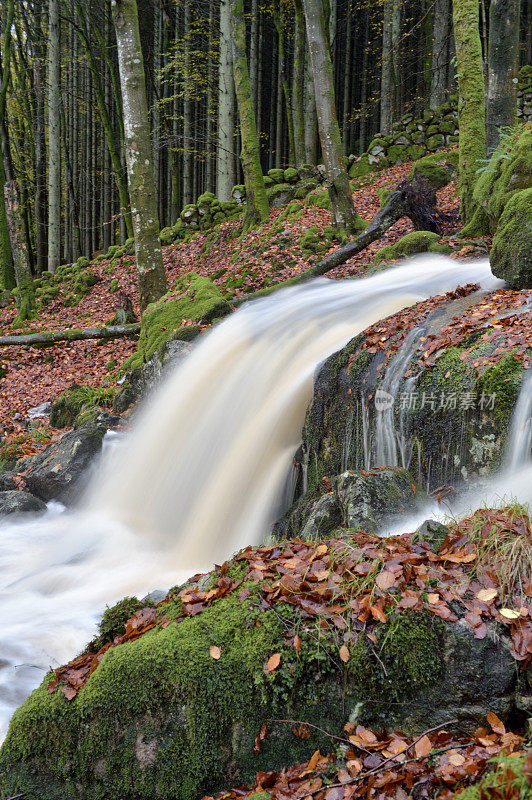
{"x":201,"y":475}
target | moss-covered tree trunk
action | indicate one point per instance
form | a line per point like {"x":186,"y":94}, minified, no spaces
{"x":299,"y":82}
{"x":225,"y":159}
{"x":343,"y":210}
{"x":54,"y":136}
{"x":150,"y":268}
{"x":503,"y":66}
{"x":7,"y":273}
{"x":471,"y":113}
{"x":257,"y":207}
{"x":24,"y":279}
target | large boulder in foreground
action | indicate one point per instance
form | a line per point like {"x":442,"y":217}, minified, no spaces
{"x":15,"y":502}
{"x":56,"y":473}
{"x":357,"y":628}
{"x":511,"y":253}
{"x":161,"y":717}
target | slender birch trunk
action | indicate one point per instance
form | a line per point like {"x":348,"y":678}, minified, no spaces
{"x":225,"y":161}
{"x":151,"y":274}
{"x":343,"y":210}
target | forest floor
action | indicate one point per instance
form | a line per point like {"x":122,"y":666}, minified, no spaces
{"x":238,"y":265}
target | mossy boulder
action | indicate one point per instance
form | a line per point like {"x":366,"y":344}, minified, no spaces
{"x":291,"y":175}
{"x":319,"y":199}
{"x":511,"y":253}
{"x":198,"y":299}
{"x":436,"y":170}
{"x":280,"y":194}
{"x":167,"y":236}
{"x":82,"y":262}
{"x":508,"y":171}
{"x":277,"y":175}
{"x":411,"y":244}
{"x":361,"y":167}
{"x":160,"y":717}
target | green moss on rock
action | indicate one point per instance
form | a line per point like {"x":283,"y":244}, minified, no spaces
{"x":199,"y":300}
{"x":409,"y":245}
{"x":319,"y":199}
{"x":511,"y":253}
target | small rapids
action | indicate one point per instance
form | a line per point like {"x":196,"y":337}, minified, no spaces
{"x":203,"y":473}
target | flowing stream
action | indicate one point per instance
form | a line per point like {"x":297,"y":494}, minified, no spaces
{"x":202,"y":473}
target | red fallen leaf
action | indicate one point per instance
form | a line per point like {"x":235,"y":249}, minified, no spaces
{"x":273,"y":662}
{"x":69,"y":692}
{"x":496,"y":723}
{"x":423,"y":747}
{"x":378,"y":613}
{"x":260,"y":737}
{"x":301,"y":732}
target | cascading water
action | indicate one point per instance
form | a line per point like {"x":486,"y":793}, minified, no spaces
{"x":201,"y":475}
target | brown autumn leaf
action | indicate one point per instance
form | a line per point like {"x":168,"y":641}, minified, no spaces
{"x":456,"y":759}
{"x":496,"y":723}
{"x":297,"y":642}
{"x":215,"y":652}
{"x":344,"y":653}
{"x":378,"y":613}
{"x":385,"y":579}
{"x":423,"y":747}
{"x":301,"y":731}
{"x":273,"y":662}
{"x":259,"y":738}
{"x":487,"y":595}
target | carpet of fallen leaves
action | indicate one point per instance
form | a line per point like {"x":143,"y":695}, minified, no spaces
{"x":493,"y":312}
{"x":318,"y":579}
{"x":381,"y":765}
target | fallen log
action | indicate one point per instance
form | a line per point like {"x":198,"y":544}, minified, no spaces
{"x":414,"y":199}
{"x":71,"y":335}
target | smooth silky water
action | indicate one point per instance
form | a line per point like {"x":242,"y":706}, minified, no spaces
{"x":203,"y":472}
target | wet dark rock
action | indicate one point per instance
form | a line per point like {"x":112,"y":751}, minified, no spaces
{"x":57,"y":472}
{"x":142,"y":380}
{"x":15,"y":502}
{"x":7,"y":481}
{"x":358,"y":500}
{"x":96,"y":416}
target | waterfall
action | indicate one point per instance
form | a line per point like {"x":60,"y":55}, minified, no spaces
{"x":519,"y":446}
{"x":201,"y":475}
{"x":386,"y":436}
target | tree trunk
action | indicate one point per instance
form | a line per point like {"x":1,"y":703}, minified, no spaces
{"x":26,"y":293}
{"x":151,"y":274}
{"x":54,"y":136}
{"x":299,"y":83}
{"x":71,"y":335}
{"x":503,"y":66}
{"x":283,"y":70}
{"x":7,"y":272}
{"x":440,"y":38}
{"x":311,"y":125}
{"x":343,"y":210}
{"x":387,"y":70}
{"x":472,"y":143}
{"x":257,"y":208}
{"x":225,"y":160}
